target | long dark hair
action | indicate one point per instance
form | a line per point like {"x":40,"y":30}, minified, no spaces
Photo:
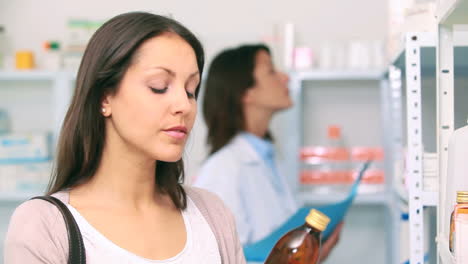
{"x":229,"y":76}
{"x":107,"y":57}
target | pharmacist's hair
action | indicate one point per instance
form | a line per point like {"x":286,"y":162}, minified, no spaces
{"x":230,"y":75}
{"x":110,"y":52}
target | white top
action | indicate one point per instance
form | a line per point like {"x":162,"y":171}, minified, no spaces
{"x":247,"y":184}
{"x":201,"y":245}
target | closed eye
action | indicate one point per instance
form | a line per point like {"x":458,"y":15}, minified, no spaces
{"x":190,"y":95}
{"x":158,"y":91}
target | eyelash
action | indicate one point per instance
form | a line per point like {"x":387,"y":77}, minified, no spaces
{"x":161,"y":91}
{"x":191,"y":95}
{"x":158,"y":91}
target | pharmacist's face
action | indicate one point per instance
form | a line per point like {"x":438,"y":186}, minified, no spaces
{"x":270,"y":91}
{"x":154,"y":108}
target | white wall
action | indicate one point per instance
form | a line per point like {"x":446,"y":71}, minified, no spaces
{"x":218,"y":23}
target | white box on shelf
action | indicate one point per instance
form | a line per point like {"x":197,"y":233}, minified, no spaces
{"x":25,"y":178}
{"x":23,"y":147}
{"x":408,"y":16}
{"x":430,"y":184}
{"x":430,"y":172}
{"x":430,"y":162}
{"x":303,"y":58}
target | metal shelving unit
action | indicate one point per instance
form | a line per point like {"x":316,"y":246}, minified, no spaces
{"x":418,"y":198}
{"x":432,"y":54}
{"x":415,"y":59}
{"x":294,"y":140}
{"x":27,"y":75}
{"x":406,"y":69}
{"x":61,"y":84}
{"x":450,"y":14}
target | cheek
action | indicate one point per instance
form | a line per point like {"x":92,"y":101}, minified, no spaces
{"x":192,"y":116}
{"x":136,"y":109}
{"x":135,"y":114}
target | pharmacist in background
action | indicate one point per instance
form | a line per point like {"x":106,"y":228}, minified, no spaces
{"x":243,"y":92}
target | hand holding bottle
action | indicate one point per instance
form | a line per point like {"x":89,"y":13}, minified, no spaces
{"x":331,"y":242}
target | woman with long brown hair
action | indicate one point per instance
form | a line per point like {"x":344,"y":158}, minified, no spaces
{"x":243,"y":92}
{"x":118,"y":167}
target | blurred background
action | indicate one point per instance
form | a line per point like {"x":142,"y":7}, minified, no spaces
{"x":347,"y":66}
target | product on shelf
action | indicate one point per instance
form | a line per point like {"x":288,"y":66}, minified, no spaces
{"x":25,"y":60}
{"x":24,"y":177}
{"x":52,"y":59}
{"x":302,"y":244}
{"x":24,"y":147}
{"x":431,"y":172}
{"x":327,"y":167}
{"x":408,"y":16}
{"x":79,"y":32}
{"x":303,"y":58}
{"x":456,"y":180}
{"x":334,"y":166}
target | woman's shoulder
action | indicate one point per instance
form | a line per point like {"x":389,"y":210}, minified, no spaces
{"x":210,"y":205}
{"x":221,"y":221}
{"x":35,"y":211}
{"x":203,"y":197}
{"x":36,"y":227}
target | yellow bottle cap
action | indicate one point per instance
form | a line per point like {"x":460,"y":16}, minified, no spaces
{"x":462,"y":197}
{"x":317,"y":219}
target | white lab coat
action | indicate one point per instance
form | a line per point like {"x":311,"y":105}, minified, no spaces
{"x":243,"y":180}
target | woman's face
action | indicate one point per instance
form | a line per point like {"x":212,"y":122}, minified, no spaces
{"x":270,"y":91}
{"x":154,"y":107}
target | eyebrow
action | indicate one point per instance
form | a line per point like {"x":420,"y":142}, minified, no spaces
{"x":173,"y":73}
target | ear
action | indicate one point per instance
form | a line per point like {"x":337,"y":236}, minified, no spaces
{"x":106,"y":109}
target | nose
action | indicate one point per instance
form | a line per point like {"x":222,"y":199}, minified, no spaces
{"x":181,"y":103}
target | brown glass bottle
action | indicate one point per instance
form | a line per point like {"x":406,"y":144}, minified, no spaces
{"x":461,"y":208}
{"x":302,"y":244}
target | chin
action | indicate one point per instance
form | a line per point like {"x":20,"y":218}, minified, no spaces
{"x":169,"y":155}
{"x":285,"y":106}
{"x":169,"y":158}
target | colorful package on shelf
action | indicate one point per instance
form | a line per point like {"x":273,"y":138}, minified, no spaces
{"x":24,"y":147}
{"x":342,"y":172}
{"x":375,"y":174}
{"x":27,"y":177}
{"x":325,"y":169}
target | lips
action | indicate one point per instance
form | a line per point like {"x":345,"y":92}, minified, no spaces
{"x":177,"y":132}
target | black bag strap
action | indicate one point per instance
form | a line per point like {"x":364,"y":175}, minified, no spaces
{"x":76,"y":249}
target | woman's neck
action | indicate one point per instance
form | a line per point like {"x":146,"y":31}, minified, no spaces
{"x":124,"y":178}
{"x":257,"y":121}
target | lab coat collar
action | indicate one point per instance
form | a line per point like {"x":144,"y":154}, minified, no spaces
{"x":249,"y":154}
{"x":262,"y":146}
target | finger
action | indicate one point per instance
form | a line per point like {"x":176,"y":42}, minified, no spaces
{"x":331,"y":242}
